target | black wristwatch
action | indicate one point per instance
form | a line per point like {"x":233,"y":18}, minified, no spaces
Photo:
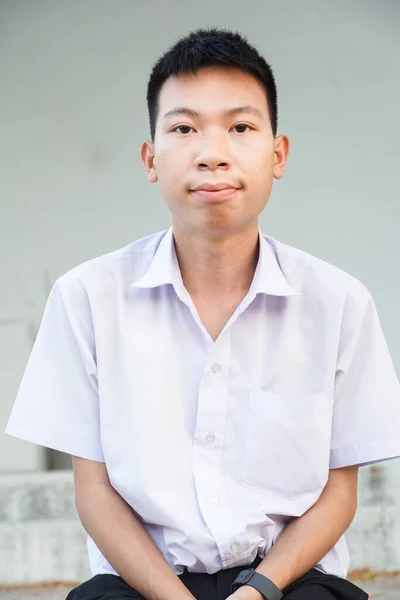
{"x":259,"y":582}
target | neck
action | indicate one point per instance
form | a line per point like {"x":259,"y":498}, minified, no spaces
{"x":215,"y":268}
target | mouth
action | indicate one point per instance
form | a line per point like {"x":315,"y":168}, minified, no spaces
{"x":215,"y":195}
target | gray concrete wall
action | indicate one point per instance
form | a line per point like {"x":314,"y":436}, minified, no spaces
{"x":72,"y":116}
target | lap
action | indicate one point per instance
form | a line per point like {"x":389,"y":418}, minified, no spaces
{"x":310,"y":591}
{"x":315,"y":585}
{"x":104,"y":587}
{"x":312,"y":586}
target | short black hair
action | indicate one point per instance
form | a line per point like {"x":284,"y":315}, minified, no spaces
{"x":211,"y":47}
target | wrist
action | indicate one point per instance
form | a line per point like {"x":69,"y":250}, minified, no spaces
{"x":250,"y":593}
{"x":246,"y":592}
{"x":251,"y":585}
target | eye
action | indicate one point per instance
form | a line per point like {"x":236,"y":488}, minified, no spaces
{"x":242,"y":125}
{"x":182,"y":127}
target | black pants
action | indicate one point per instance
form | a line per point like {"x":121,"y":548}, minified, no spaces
{"x":314,"y":585}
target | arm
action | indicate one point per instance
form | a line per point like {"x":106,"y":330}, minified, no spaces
{"x":120,"y":536}
{"x":307,"y":539}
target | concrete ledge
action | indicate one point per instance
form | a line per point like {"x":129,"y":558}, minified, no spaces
{"x":37,"y":496}
{"x":42,"y":551}
{"x":42,"y":540}
{"x":41,"y":537}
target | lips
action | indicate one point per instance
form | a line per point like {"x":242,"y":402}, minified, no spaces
{"x":215,"y":195}
{"x":214,"y":187}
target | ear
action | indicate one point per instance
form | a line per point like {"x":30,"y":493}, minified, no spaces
{"x":147,"y":156}
{"x":281,"y":153}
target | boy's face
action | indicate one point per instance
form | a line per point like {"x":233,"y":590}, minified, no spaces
{"x":207,"y":145}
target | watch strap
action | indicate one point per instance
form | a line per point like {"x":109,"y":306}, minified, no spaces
{"x":259,"y":582}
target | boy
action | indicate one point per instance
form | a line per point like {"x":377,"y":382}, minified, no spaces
{"x":217,"y":389}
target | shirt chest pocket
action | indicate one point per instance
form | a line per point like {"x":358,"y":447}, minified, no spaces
{"x":287,"y":443}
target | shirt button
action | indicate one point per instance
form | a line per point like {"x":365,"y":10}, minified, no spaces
{"x":210,"y":439}
{"x":216,"y":368}
{"x":213,"y":498}
{"x":234,"y":547}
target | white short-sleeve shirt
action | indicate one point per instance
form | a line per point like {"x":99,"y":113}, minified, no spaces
{"x":216,"y":445}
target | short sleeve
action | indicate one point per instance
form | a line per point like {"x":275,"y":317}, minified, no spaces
{"x":366,"y":413}
{"x":57,"y":402}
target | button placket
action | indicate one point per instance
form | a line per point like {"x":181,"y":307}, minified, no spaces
{"x":207,"y":457}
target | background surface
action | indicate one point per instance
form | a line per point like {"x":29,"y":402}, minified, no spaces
{"x":73,"y":115}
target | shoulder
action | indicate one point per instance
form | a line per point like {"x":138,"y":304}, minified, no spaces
{"x":112,"y":271}
{"x":316,"y":278}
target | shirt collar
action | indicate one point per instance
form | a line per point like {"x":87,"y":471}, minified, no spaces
{"x":164,"y":266}
{"x":268,"y":277}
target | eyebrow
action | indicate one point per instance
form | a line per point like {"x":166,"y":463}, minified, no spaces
{"x":183,"y":110}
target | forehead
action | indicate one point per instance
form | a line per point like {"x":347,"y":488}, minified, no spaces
{"x":210,"y":88}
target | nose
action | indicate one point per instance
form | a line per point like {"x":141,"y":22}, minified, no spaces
{"x":213,"y":152}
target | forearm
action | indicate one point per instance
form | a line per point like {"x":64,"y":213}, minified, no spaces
{"x":127,"y":546}
{"x":307,"y":539}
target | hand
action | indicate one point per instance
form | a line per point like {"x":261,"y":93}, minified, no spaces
{"x":246,"y":592}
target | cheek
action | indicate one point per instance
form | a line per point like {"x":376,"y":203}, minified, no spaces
{"x":259,"y":172}
{"x":170,"y":159}
{"x":171,"y":178}
{"x":259,"y":159}
{"x":167,"y":167}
